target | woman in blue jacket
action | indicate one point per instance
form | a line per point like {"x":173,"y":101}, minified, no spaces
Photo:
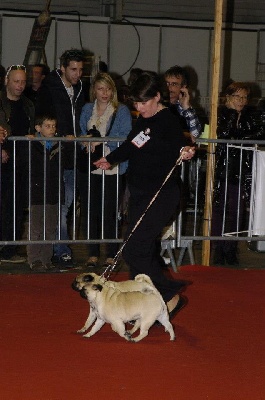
{"x":103,"y":117}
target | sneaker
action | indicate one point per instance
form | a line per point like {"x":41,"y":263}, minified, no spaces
{"x":14,"y":260}
{"x":38,"y":266}
{"x":52,"y":268}
{"x":109,"y":262}
{"x":92,"y":262}
{"x":66,"y":261}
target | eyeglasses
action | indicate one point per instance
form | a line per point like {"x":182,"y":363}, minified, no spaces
{"x":237,"y":97}
{"x":175,"y":84}
{"x":15,"y":68}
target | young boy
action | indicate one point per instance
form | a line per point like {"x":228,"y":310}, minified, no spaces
{"x":44,"y":193}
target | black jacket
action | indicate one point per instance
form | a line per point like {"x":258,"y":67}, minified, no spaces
{"x":5,"y":113}
{"x":52,"y":174}
{"x":150,"y":164}
{"x":53,"y":99}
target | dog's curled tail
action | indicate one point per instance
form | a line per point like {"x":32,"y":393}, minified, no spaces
{"x":143,"y":278}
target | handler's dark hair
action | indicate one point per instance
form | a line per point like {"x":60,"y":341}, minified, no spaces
{"x":134,"y":75}
{"x":145,"y":87}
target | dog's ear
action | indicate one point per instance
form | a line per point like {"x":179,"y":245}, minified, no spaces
{"x":88,"y":278}
{"x":97,"y":287}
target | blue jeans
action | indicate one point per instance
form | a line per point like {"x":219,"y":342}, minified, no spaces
{"x":68,"y":177}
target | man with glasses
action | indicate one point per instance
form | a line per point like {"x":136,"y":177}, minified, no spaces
{"x":17,"y":119}
{"x":176,"y":79}
{"x":61,"y":94}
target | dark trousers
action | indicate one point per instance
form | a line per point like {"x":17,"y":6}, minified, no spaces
{"x":42,"y":252}
{"x":95,"y":220}
{"x":142,"y":251}
{"x":231,"y":215}
{"x":8,"y":232}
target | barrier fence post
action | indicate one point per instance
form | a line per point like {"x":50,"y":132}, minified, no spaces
{"x":213,"y":126}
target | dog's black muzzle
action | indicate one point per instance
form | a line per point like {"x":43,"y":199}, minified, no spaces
{"x":83,"y":293}
{"x":75,"y":286}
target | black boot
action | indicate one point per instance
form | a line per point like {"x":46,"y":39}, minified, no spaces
{"x":219,"y":256}
{"x":231,"y":256}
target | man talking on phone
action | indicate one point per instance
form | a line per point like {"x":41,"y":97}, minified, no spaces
{"x":176,"y":79}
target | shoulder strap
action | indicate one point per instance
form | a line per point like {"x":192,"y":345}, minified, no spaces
{"x":111,"y":122}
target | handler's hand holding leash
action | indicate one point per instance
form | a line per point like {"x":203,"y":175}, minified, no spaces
{"x":186,"y":153}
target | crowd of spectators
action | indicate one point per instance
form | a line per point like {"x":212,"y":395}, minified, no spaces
{"x":34,"y":98}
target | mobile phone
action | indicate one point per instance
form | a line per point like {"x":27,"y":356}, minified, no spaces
{"x":181,"y":92}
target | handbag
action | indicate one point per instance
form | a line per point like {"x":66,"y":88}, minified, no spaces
{"x":98,"y":152}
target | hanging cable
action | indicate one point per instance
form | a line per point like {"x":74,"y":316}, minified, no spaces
{"x":139,"y":46}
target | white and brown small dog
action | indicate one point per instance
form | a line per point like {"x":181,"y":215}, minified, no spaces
{"x":111,"y":305}
{"x":141,"y":283}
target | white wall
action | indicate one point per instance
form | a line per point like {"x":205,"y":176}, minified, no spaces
{"x":262,"y":47}
{"x":16,"y":32}
{"x":161,"y":46}
{"x":124,"y":48}
{"x":187,"y":47}
{"x":244,"y":54}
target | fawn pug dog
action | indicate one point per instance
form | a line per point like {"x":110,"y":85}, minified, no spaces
{"x":141,"y":283}
{"x":111,"y":305}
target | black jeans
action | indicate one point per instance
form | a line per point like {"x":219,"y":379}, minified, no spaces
{"x":233,"y":219}
{"x":7,"y":205}
{"x":142,"y":251}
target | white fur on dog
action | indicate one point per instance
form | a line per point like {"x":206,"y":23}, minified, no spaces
{"x":141,"y":283}
{"x":119,"y":302}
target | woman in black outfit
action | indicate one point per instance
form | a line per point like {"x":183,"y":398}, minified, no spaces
{"x":232,"y":186}
{"x":151,"y":148}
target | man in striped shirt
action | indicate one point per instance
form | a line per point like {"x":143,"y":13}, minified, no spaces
{"x":176,"y":79}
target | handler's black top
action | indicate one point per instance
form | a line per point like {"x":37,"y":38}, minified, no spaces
{"x":150,"y":164}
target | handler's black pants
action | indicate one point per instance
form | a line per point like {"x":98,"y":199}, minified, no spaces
{"x":142,"y":251}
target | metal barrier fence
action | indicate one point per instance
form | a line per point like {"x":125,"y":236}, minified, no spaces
{"x":75,"y":236}
{"x":193,"y":221}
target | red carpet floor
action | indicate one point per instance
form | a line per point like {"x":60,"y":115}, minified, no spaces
{"x":219,"y":352}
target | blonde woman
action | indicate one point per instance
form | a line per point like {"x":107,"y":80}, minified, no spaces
{"x":109,"y":118}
